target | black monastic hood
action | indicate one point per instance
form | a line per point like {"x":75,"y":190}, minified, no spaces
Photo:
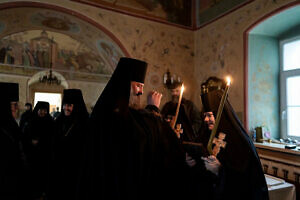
{"x":41,"y":105}
{"x":10,"y":93}
{"x":75,"y":97}
{"x":115,"y":95}
{"x":211,"y":88}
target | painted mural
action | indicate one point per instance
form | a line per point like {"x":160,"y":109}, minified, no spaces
{"x":176,"y":11}
{"x":39,"y":49}
{"x":208,"y":10}
{"x":111,"y":53}
{"x":54,"y":20}
{"x":33,"y":38}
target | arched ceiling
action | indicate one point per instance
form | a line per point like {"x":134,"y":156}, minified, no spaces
{"x":77,"y":45}
{"x":280,"y":23}
{"x":177,"y":12}
{"x":190,"y":14}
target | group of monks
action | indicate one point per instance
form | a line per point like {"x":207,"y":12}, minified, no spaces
{"x":124,"y":151}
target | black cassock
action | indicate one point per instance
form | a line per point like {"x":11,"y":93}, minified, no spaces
{"x":132,"y":154}
{"x":38,"y":136}
{"x":67,"y":152}
{"x":12,"y":171}
{"x":11,"y":168}
{"x":189,"y":117}
{"x":139,"y":159}
{"x":70,"y":137}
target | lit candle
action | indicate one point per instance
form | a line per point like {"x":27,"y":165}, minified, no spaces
{"x":219,"y":113}
{"x":177,"y":109}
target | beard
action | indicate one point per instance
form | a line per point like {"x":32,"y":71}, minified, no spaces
{"x":135,"y":101}
{"x":209,"y":125}
{"x":175,"y":99}
{"x":67,"y":112}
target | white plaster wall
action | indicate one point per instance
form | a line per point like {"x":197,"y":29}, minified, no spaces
{"x":219,"y":46}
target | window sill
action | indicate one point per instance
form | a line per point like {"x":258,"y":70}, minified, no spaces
{"x":277,"y":147}
{"x":277,"y":152}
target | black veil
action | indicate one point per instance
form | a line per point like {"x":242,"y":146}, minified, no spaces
{"x":241,"y":165}
{"x":75,"y":97}
{"x":115,"y":95}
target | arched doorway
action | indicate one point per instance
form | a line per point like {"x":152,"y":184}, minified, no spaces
{"x":46,"y":92}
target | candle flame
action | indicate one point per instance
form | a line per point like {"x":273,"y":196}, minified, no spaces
{"x":182,"y":89}
{"x":228,"y":80}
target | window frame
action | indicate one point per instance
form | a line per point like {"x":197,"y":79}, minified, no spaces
{"x":284,"y":75}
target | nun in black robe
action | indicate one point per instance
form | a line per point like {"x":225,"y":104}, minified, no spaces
{"x":70,"y":136}
{"x":38,"y":137}
{"x":133,"y":153}
{"x":240,"y":175}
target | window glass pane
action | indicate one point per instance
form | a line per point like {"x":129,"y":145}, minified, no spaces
{"x":293,"y":121}
{"x":291,"y":58}
{"x":293,"y":91}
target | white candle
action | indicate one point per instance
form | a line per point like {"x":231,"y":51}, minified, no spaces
{"x":178,"y":106}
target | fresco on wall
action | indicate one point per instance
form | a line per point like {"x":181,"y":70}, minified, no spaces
{"x":26,"y":36}
{"x":55,"y":21}
{"x":38,"y":48}
{"x":208,"y":10}
{"x":112,"y":55}
{"x":176,"y":11}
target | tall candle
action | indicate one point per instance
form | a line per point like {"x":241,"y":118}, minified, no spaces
{"x":219,"y":113}
{"x":178,"y":106}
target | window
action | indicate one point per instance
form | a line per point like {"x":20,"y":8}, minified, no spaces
{"x":290,"y":88}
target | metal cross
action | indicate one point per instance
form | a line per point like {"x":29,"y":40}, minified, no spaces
{"x":219,"y":142}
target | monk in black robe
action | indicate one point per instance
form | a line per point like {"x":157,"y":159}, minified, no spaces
{"x":11,"y":154}
{"x":237,"y":168}
{"x":70,"y":135}
{"x":38,"y":136}
{"x":189,"y":116}
{"x":134,"y":154}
